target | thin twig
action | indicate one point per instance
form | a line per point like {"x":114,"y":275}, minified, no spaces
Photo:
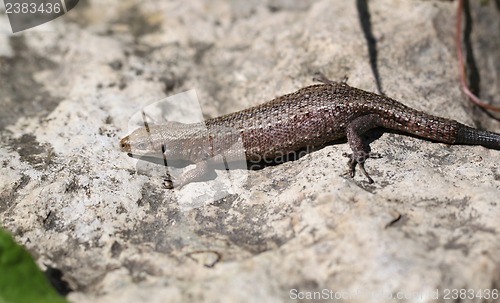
{"x":463,"y":81}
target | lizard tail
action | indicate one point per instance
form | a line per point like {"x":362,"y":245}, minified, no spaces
{"x":471,"y":136}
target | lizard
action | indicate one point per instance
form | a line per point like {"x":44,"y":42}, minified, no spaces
{"x":312,"y":116}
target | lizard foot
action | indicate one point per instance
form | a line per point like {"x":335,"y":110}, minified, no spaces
{"x":169,"y":184}
{"x":360,"y":158}
{"x":168,"y":181}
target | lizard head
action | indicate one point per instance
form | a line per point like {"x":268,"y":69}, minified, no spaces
{"x":173,"y":141}
{"x":140,"y":142}
{"x":157,"y":141}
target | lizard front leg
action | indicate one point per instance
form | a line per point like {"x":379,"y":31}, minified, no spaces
{"x":360,"y":149}
{"x":201,"y":172}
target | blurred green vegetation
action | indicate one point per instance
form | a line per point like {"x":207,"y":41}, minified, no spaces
{"x":21,"y":281}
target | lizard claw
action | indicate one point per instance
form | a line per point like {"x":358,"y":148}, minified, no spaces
{"x":168,"y":181}
{"x":360,"y":158}
{"x":362,"y":167}
{"x":168,"y":184}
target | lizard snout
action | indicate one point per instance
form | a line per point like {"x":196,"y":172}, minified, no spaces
{"x":125,"y":144}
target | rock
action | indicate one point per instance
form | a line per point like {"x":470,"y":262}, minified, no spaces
{"x":290,"y":231}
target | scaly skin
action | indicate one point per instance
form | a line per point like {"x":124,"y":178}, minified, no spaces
{"x":310,"y":117}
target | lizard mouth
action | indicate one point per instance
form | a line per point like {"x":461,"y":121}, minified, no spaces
{"x":136,"y":156}
{"x":145,"y":156}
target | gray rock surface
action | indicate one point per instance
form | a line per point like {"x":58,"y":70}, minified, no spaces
{"x":429,"y":222}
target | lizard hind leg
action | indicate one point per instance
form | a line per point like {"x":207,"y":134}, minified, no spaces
{"x":360,"y":149}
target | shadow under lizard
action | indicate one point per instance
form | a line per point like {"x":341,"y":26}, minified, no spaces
{"x":310,"y":117}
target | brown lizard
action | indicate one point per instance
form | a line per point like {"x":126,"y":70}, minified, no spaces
{"x":310,"y":117}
